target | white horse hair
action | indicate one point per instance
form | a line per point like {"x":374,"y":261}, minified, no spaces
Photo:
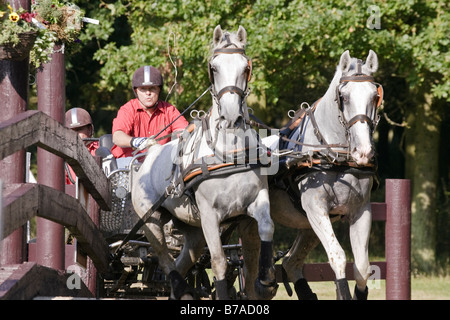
{"x":218,"y":198}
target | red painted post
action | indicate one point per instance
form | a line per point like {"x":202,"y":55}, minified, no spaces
{"x":13,"y":100}
{"x":398,"y":239}
{"x":50,"y":245}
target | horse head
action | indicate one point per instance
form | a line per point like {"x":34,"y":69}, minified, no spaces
{"x":358,"y":96}
{"x":229,"y":71}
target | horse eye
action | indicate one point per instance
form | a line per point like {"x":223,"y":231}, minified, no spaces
{"x":345,"y":97}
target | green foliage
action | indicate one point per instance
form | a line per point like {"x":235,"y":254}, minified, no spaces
{"x":295,"y":47}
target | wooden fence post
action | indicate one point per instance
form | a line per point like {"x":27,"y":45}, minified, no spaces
{"x":398,"y":239}
{"x":13,"y":100}
{"x":51,"y":100}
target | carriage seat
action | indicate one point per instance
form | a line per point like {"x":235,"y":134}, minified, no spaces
{"x":109,"y":163}
{"x":106,"y":141}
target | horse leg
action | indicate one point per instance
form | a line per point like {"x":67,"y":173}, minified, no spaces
{"x":293,"y":262}
{"x":193,"y":246}
{"x":218,"y":260}
{"x":266,"y":285}
{"x":211,"y":232}
{"x":320,"y":222}
{"x":251,"y":246}
{"x":359,"y":239}
{"x":154,"y":233}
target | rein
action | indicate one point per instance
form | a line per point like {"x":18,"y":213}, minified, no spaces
{"x":190,"y":106}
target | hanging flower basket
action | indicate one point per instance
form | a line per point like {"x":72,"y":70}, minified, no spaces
{"x":21,"y":50}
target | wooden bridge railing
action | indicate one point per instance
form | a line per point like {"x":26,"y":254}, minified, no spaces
{"x":23,"y":201}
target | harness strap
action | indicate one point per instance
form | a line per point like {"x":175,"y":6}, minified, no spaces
{"x":336,"y":145}
{"x":320,"y":137}
{"x":359,"y":117}
{"x":232,"y":89}
{"x":292,"y":124}
{"x":357,"y":78}
{"x":229,"y":51}
{"x":202,"y":169}
{"x":308,"y":163}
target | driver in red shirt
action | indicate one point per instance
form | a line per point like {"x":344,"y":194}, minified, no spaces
{"x":144,"y":116}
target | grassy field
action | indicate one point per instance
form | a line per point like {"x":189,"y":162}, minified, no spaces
{"x":422,"y":288}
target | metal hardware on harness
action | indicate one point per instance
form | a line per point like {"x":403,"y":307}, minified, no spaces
{"x":174,"y":190}
{"x":197,"y":114}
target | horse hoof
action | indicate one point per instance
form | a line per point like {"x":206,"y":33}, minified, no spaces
{"x":342,"y":289}
{"x":187,"y":296}
{"x":180,"y":289}
{"x":266,"y":291}
{"x":303,"y":290}
{"x":360,"y":295}
{"x":221,"y":289}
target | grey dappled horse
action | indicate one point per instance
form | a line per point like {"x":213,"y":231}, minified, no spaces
{"x":220,"y":197}
{"x":346,"y":115}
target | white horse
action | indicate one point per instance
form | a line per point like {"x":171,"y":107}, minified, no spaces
{"x":222,"y":135}
{"x":345,"y":119}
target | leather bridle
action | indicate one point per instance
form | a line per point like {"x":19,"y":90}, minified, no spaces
{"x":234,"y":89}
{"x":358,"y":77}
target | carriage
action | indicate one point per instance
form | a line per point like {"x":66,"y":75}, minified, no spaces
{"x":344,"y":173}
{"x":138,"y":273}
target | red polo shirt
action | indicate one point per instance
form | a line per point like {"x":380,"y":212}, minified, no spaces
{"x":134,"y":121}
{"x":92,"y":147}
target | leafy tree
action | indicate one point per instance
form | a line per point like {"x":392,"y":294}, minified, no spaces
{"x":295,"y":47}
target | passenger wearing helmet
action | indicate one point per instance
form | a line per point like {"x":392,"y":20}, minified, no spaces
{"x":144,"y":116}
{"x":80,"y":121}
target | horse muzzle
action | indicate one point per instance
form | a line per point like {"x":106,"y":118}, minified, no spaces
{"x":226,"y":123}
{"x":363,"y":155}
{"x":231,"y":114}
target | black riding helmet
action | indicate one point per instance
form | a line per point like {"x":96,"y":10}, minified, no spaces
{"x":147,"y":76}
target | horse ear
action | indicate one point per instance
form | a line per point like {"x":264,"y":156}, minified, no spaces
{"x":218,"y":34}
{"x":371,"y":62}
{"x":344,"y":62}
{"x":242,"y":35}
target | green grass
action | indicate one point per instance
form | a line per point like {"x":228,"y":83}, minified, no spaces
{"x":422,"y":288}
